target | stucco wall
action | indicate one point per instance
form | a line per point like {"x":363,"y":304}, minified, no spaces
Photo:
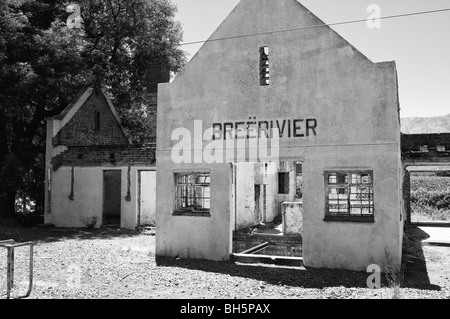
{"x":88,"y":196}
{"x":86,"y":203}
{"x":272,"y":192}
{"x":352,"y":245}
{"x":188,"y":236}
{"x":314,"y":74}
{"x":246,"y":212}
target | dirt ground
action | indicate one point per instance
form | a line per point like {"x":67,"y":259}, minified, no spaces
{"x":73,"y":263}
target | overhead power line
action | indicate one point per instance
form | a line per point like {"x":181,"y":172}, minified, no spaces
{"x":271,"y":32}
{"x":316,"y":26}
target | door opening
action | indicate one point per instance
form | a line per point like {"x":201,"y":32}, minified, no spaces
{"x":268,"y":208}
{"x":147,"y":198}
{"x":429,"y":193}
{"x":112,"y":180}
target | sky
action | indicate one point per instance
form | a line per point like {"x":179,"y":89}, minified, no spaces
{"x":420,"y":45}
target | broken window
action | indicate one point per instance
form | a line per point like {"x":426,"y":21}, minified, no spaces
{"x":264,"y":66}
{"x":349,"y":195}
{"x":192,"y":193}
{"x":283,"y":183}
{"x":97,"y":120}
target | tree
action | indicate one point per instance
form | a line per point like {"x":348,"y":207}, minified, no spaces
{"x":44,"y":63}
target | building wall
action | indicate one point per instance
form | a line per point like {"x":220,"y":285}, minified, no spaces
{"x":88,"y":196}
{"x":73,"y":141}
{"x":272,"y":191}
{"x":80,"y":130}
{"x":353,"y":245}
{"x":314,"y":74}
{"x":189,"y":236}
{"x":245,"y":196}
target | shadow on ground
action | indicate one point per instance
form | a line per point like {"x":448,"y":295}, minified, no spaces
{"x":414,"y":270}
{"x":288,"y":276}
{"x":10,"y":230}
{"x":414,"y":262}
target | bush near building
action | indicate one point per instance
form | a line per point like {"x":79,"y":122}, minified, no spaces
{"x":430,"y":197}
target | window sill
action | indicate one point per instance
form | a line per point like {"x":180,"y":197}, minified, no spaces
{"x":191,"y":213}
{"x":354,"y":219}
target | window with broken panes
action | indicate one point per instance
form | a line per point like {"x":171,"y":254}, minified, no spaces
{"x":192,"y":193}
{"x":349,"y":195}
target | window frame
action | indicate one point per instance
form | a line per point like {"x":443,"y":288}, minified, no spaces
{"x":178,"y":211}
{"x":348,"y":184}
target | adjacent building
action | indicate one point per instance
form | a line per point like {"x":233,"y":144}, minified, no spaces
{"x":94,"y":176}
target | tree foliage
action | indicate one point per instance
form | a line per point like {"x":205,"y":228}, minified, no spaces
{"x":44,"y":63}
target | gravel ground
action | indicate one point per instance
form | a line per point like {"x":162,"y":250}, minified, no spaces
{"x":121,"y":264}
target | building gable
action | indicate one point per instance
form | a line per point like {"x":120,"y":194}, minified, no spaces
{"x":287,"y":20}
{"x":314,"y":74}
{"x":91,"y":120}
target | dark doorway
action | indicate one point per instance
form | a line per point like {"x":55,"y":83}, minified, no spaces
{"x":112,"y":197}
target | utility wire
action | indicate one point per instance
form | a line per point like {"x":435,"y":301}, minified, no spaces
{"x":280,"y":31}
{"x":316,"y":26}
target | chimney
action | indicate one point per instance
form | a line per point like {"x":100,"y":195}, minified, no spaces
{"x":158,"y":73}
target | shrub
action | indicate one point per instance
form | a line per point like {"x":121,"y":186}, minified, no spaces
{"x":27,"y":213}
{"x":443,"y":174}
{"x":439,"y":200}
{"x":89,"y":222}
{"x":30,"y":219}
{"x":430,"y":197}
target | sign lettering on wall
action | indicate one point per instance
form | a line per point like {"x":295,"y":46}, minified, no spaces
{"x":287,"y":128}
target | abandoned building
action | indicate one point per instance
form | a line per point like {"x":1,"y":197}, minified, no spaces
{"x":94,"y":175}
{"x":336,"y":179}
{"x":286,"y":144}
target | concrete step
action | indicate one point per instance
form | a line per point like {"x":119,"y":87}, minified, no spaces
{"x":267,"y":259}
{"x":431,"y":224}
{"x":433,"y":242}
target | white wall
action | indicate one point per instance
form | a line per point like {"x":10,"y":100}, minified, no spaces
{"x":192,"y":236}
{"x":88,"y":196}
{"x":245,"y":195}
{"x":88,"y":193}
